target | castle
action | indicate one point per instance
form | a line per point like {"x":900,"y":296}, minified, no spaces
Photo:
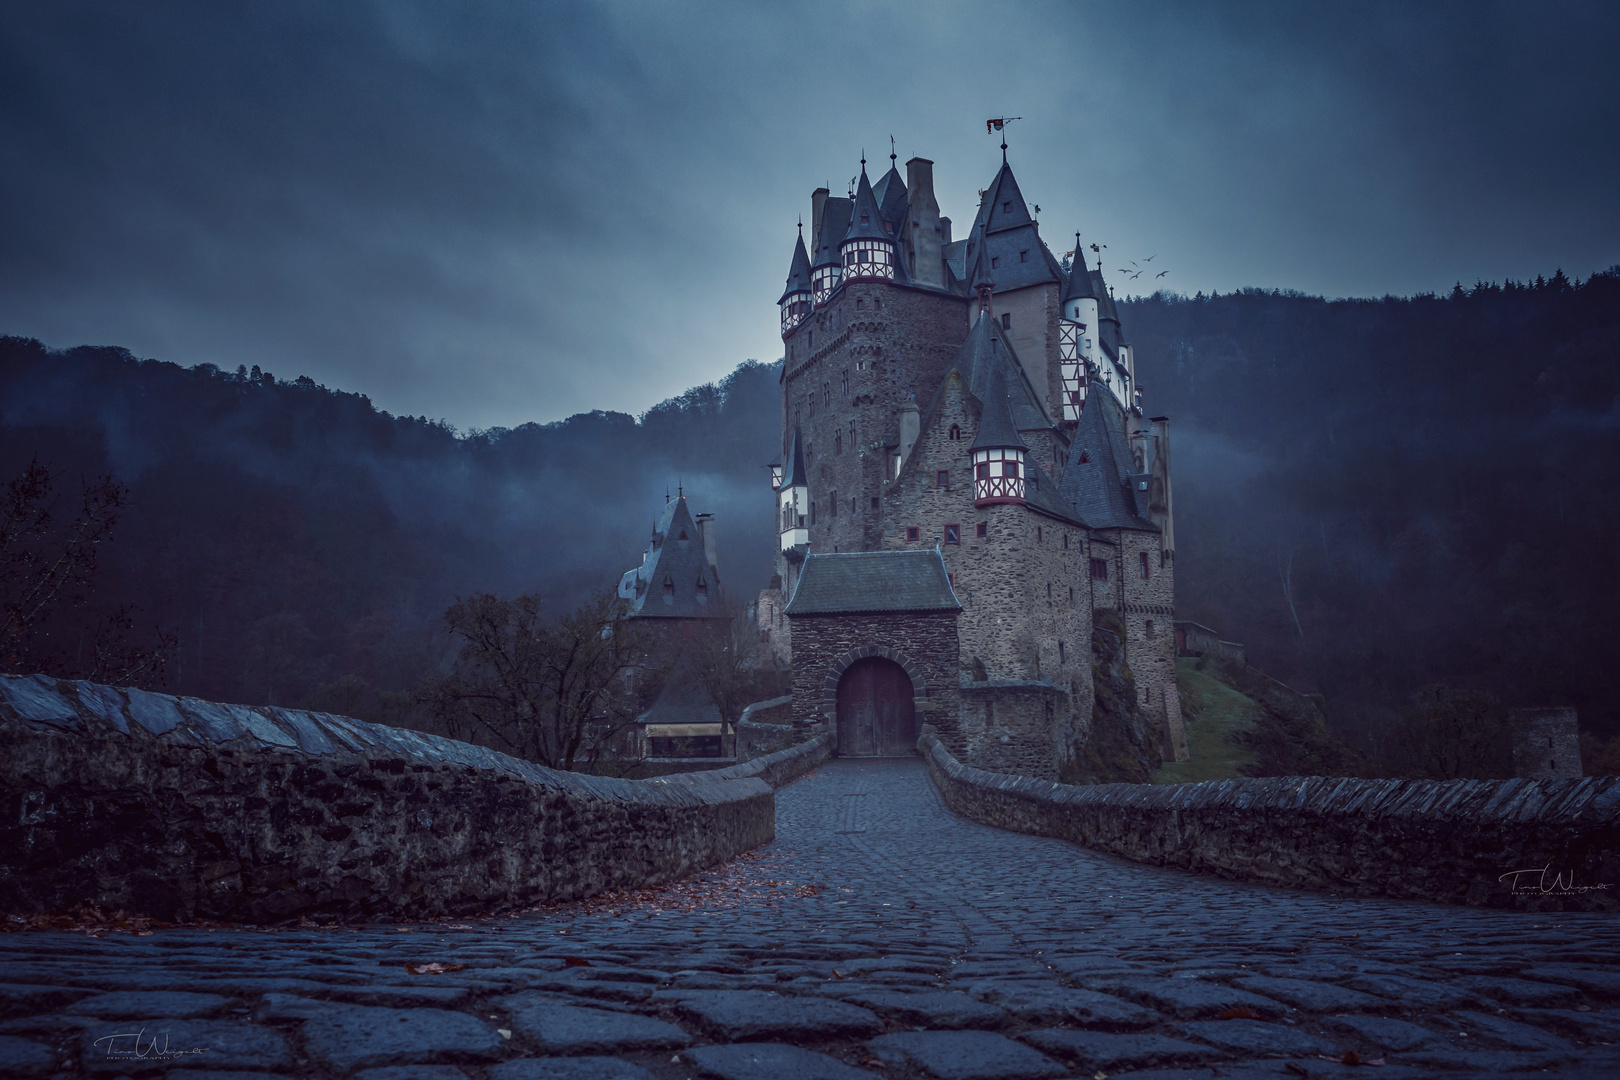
{"x":967,"y":478}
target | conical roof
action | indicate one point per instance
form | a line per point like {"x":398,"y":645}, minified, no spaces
{"x":834,"y":223}
{"x":1095,"y":482}
{"x":798,"y":280}
{"x":1079,"y":286}
{"x":987,"y":351}
{"x":996,"y":427}
{"x":797,"y":475}
{"x":866,"y":219}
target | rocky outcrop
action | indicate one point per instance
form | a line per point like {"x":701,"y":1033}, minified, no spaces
{"x":181,"y":809}
{"x":1122,"y":745}
{"x":1534,"y":844}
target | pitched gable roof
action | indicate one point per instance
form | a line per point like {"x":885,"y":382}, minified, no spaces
{"x":873,"y":581}
{"x":987,"y":349}
{"x":665,"y":585}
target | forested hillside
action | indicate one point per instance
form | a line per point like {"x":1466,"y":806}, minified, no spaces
{"x":290,"y":535}
{"x":1376,"y":495}
{"x":1373,"y":495}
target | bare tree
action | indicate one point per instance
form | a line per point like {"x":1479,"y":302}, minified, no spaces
{"x":557,"y":694}
{"x":725,"y":657}
{"x":46,"y":569}
{"x":1450,"y":734}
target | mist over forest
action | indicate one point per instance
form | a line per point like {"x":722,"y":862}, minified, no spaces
{"x":1372,"y":495}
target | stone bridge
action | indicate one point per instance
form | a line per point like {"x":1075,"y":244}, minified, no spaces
{"x":878,"y":935}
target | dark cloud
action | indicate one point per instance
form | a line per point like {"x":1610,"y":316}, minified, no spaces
{"x":504,"y":212}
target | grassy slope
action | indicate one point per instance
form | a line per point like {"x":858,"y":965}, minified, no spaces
{"x":1221,"y":711}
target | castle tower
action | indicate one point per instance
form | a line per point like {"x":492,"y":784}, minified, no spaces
{"x":796,"y":297}
{"x":1075,"y":335}
{"x":868,"y":251}
{"x":998,"y":451}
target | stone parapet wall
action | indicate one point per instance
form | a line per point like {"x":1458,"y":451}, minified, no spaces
{"x":765,"y":727}
{"x":1456,"y":841}
{"x":184,"y":809}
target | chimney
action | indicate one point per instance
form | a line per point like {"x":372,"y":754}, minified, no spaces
{"x":926,"y":238}
{"x":705,"y":525}
{"x":910,"y":426}
{"x":818,"y":199}
{"x":945,"y":231}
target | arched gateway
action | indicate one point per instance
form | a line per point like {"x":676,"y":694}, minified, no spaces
{"x":875,"y":713}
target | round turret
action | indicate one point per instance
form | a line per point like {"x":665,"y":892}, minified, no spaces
{"x":796,"y":298}
{"x":998,"y":451}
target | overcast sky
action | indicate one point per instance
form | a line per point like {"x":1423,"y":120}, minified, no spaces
{"x":497,"y":213}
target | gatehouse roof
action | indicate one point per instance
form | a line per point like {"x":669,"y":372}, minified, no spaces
{"x":860,"y":581}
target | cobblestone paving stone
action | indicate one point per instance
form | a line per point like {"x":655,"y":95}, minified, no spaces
{"x":878,"y":936}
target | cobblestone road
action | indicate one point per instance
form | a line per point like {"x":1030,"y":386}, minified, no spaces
{"x":879,"y":936}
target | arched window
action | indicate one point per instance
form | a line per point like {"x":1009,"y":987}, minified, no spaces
{"x":956,"y":432}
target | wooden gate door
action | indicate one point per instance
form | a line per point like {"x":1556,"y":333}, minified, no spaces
{"x":875,"y":717}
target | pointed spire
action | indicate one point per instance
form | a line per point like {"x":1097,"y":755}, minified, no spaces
{"x":1004,"y":207}
{"x":866,"y":218}
{"x":1079,"y":286}
{"x":797,"y":474}
{"x":798,"y":280}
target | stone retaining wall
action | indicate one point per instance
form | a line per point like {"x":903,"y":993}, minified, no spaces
{"x":765,"y":727}
{"x":184,"y":809}
{"x":1451,"y":841}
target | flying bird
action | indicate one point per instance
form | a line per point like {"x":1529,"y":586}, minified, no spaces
{"x":1161,"y":273}
{"x":1150,"y":258}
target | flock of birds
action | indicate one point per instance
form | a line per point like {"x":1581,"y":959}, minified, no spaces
{"x":1130,"y":273}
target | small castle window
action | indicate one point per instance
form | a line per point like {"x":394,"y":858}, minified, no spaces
{"x":877,"y":304}
{"x":1065,"y":541}
{"x":1099,"y":569}
{"x":812,"y":513}
{"x":1085,"y":458}
{"x":942,"y":478}
{"x":984,"y":529}
{"x":1037,"y":534}
{"x":995,"y":261}
{"x":1144,"y":560}
{"x":859,"y":304}
{"x":956,"y":432}
{"x":832,"y":506}
{"x":913,"y":533}
{"x":866,"y":219}
{"x":682,"y":536}
{"x":1006,"y":320}
{"x":1062,"y":654}
{"x":846,"y":382}
{"x":702,"y":587}
{"x":1006,"y":207}
{"x":953,"y":534}
{"x":852,"y":434}
{"x":669,"y":585}
{"x":1071,"y":594}
{"x":874,"y":502}
{"x":1049,"y":590}
{"x":1023,"y":256}
{"x":838,"y":444}
{"x":853,"y":505}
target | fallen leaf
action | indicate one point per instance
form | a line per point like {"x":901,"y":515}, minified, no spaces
{"x":505,"y":1033}
{"x":434,"y":968}
{"x":1099,"y":1075}
{"x":576,"y":961}
{"x":1350,"y":1058}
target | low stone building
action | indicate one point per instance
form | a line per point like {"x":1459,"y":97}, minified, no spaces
{"x":1546,"y":744}
{"x":874,"y":648}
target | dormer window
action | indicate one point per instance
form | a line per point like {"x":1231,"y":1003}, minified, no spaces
{"x":702,"y":589}
{"x":1006,"y":320}
{"x":669,"y":587}
{"x":995,"y":261}
{"x":866,"y":219}
{"x":1006,"y":208}
{"x":1023,"y":256}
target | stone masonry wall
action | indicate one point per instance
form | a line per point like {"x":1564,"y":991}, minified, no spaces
{"x":1148,"y":612}
{"x":926,"y":639}
{"x":181,"y":809}
{"x":1457,"y":841}
{"x":1013,"y":727}
{"x":1546,"y":744}
{"x":891,"y":342}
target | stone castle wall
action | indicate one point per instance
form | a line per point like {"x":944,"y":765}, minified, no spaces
{"x":182,"y":809}
{"x":1456,"y":841}
{"x":892,"y":343}
{"x":1148,"y":612}
{"x":1546,"y":744}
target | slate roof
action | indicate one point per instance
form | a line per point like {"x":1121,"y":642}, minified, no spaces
{"x":873,"y":581}
{"x":796,"y":475}
{"x":683,"y":700}
{"x":866,"y":206}
{"x":1099,"y":489}
{"x":996,"y":428}
{"x":798,"y":279}
{"x":892,"y":198}
{"x":676,"y":555}
{"x":986,"y":350}
{"x":834,"y":224}
{"x":1079,"y":285}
